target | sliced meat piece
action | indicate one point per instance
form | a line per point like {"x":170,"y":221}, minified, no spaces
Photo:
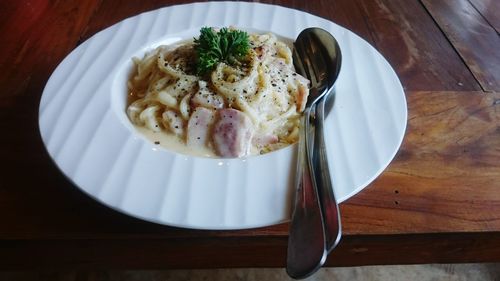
{"x":173,"y":121}
{"x":204,"y":97}
{"x":232,"y":133}
{"x":261,"y":140}
{"x":301,"y":98}
{"x":199,"y":126}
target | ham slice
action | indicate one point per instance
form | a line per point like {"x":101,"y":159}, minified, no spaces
{"x":232,"y":133}
{"x":262,"y":140}
{"x":199,"y":126}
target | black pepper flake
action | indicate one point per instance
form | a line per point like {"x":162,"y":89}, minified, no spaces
{"x":177,"y":127}
{"x":198,"y":138}
{"x":157,"y":142}
{"x":274,"y":85}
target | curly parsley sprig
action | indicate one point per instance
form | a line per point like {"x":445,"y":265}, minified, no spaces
{"x":227,"y":45}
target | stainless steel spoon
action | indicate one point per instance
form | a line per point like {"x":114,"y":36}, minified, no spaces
{"x":316,"y":55}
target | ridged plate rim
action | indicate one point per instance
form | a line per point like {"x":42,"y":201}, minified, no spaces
{"x":86,"y":132}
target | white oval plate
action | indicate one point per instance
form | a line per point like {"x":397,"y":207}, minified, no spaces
{"x":87,"y":133}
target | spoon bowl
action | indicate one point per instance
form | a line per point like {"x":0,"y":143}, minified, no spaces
{"x":317,"y":56}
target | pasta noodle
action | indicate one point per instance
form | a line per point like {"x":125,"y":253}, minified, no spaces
{"x":248,"y":108}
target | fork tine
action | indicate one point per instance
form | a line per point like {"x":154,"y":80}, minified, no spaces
{"x":318,"y":59}
{"x":297,"y":61}
{"x":305,"y":62}
{"x":312,"y":73}
{"x":308,"y":54}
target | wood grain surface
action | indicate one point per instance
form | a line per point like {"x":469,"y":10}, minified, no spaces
{"x":475,"y":40}
{"x":438,"y":201}
{"x":445,"y":176}
{"x":489,"y":10}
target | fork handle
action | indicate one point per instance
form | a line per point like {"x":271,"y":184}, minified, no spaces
{"x":322,"y":178}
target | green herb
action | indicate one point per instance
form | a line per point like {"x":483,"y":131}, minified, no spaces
{"x":227,"y":45}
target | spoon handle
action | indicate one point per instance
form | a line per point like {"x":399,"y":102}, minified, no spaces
{"x":321,"y":174}
{"x":306,"y":243}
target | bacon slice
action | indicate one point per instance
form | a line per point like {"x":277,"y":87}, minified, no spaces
{"x":232,"y":133}
{"x":199,"y":126}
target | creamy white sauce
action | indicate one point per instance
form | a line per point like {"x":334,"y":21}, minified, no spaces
{"x":174,"y":143}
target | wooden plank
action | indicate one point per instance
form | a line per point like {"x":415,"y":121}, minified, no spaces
{"x":445,"y":176}
{"x":345,"y":13}
{"x":36,"y":35}
{"x":164,"y":253}
{"x":474,"y":39}
{"x":490,"y":10}
{"x":408,"y":37}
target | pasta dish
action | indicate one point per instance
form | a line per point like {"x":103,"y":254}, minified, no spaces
{"x":250,"y":104}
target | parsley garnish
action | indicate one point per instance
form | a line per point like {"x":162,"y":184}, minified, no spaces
{"x":227,"y":45}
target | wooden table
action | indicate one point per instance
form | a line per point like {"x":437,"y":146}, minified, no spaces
{"x":439,"y":200}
